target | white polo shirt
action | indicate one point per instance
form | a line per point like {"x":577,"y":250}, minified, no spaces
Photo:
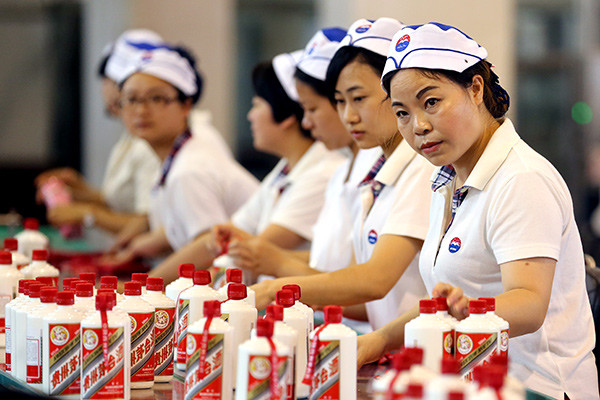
{"x":203,"y":188}
{"x":298,"y":205}
{"x":518,"y":207}
{"x":331,"y":247}
{"x":402,"y":209}
{"x":131,"y":172}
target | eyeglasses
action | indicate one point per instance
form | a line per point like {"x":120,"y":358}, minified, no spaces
{"x":154,"y":102}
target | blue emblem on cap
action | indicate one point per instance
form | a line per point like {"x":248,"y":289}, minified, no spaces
{"x":402,"y":43}
{"x":372,"y":238}
{"x":363,"y":28}
{"x":454,"y":245}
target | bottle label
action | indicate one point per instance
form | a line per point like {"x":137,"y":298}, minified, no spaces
{"x":207,"y":386}
{"x":502,"y":343}
{"x":142,"y":346}
{"x":98,"y":381}
{"x":183,"y":310}
{"x":4,"y":300}
{"x":33,"y":355}
{"x":326,"y":376}
{"x":64,"y":359}
{"x":8,"y":349}
{"x":219,"y":275}
{"x":164,"y":334}
{"x":473,"y":349}
{"x":225,"y":317}
{"x":448,"y":344}
{"x":259,"y":373}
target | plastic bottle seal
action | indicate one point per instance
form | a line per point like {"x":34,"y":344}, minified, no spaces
{"x":48,"y":295}
{"x":11,"y":244}
{"x":201,"y":277}
{"x":84,"y":289}
{"x":88,"y":277}
{"x":186,"y":270}
{"x":236,"y":291}
{"x":275,"y":312}
{"x":5,"y":258}
{"x":132,"y":289}
{"x":140,"y":277}
{"x":40,"y":255}
{"x":109,"y":282}
{"x":155,"y":284}
{"x":234,"y":275}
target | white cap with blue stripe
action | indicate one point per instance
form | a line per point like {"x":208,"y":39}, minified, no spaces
{"x":319,"y":51}
{"x":433,"y":46}
{"x":373,"y":35}
{"x":126,"y":49}
{"x":285,"y":67}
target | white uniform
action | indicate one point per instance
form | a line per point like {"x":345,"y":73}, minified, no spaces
{"x":292,"y":201}
{"x":518,"y":207}
{"x":203,"y":188}
{"x":331,"y":247}
{"x":401,"y":209}
{"x":130,"y":174}
{"x":201,"y":121}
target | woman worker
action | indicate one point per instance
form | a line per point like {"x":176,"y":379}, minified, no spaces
{"x":394,"y":194}
{"x":289,"y":199}
{"x":501,"y":222}
{"x":197,"y":188}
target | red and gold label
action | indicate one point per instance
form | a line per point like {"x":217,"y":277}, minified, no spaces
{"x":183,"y":311}
{"x":473,"y":349}
{"x":142,"y":346}
{"x":259,"y":376}
{"x":65,"y":359}
{"x":207,"y":384}
{"x":164,"y":336}
{"x":100,"y":381}
{"x":326,"y":376}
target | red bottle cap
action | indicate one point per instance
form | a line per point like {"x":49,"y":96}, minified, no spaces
{"x":105,"y":290}
{"x":40,"y":255}
{"x":108,"y":282}
{"x":201,"y":277}
{"x":427,"y":306}
{"x":295,"y":289}
{"x":88,"y":277}
{"x":333,"y":314}
{"x":275,"y":312}
{"x":155,"y":284}
{"x":23,"y":285}
{"x":441,"y":303}
{"x":105,"y":302}
{"x":236,"y":291}
{"x":186,"y":270}
{"x":5,"y":258}
{"x":414,"y":390}
{"x":84,"y":289}
{"x":31,"y":223}
{"x":11,"y":244}
{"x":48,"y":294}
{"x":46,"y":280}
{"x":401,"y":362}
{"x":494,"y":376}
{"x":212,"y":308}
{"x":456,"y":395}
{"x":132,"y":289}
{"x":415,"y":354}
{"x":34,"y":290}
{"x":284,"y":298}
{"x":264,"y":327}
{"x":67,"y":283}
{"x":490,"y":303}
{"x":234,"y":275}
{"x":140,"y":277}
{"x":477,"y":307}
{"x":450,"y":366}
{"x":65,"y":298}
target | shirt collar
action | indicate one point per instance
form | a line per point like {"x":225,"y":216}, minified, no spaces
{"x":496,"y":151}
{"x":395,"y":165}
{"x":315,"y":153}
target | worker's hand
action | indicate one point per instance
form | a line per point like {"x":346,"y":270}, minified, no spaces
{"x":265,"y":292}
{"x":134,"y":228}
{"x":458,"y":303}
{"x":80,"y":190}
{"x":223,"y":234}
{"x":255,"y":254}
{"x":73,"y":213}
{"x":371,"y":347}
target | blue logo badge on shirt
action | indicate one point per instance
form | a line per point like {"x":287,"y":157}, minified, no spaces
{"x":454,"y":245}
{"x":372,"y":237}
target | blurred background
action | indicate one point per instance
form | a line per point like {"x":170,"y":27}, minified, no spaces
{"x":546,"y":52}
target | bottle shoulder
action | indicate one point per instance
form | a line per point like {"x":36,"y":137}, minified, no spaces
{"x":260,"y":346}
{"x":132,"y":304}
{"x":216,"y":326}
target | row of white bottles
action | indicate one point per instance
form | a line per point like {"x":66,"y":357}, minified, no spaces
{"x":31,"y":238}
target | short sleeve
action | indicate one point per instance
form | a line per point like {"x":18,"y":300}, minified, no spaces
{"x":526,"y":219}
{"x":196,"y":205}
{"x":409,"y":214}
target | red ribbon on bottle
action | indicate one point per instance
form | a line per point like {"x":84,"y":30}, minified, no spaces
{"x":275,"y":389}
{"x":104,"y":320}
{"x":390,"y":392}
{"x":204,"y":345}
{"x":312,"y":355}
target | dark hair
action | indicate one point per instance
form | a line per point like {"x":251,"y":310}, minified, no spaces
{"x":102,"y":66}
{"x":185,"y":53}
{"x":345,"y":56}
{"x":495,"y":98}
{"x":319,"y":86}
{"x":267,"y":86}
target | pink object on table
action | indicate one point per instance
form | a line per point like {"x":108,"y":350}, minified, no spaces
{"x":55,"y":193}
